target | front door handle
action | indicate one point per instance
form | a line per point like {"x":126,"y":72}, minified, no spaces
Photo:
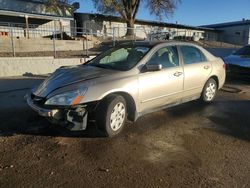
{"x":177,"y":74}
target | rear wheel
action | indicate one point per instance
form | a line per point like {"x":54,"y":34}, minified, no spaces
{"x":111,"y":115}
{"x":209,"y":91}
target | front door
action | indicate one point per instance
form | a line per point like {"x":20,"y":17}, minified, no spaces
{"x":159,"y":88}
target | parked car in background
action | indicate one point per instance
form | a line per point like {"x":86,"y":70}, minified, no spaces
{"x":238,"y":63}
{"x":126,"y":82}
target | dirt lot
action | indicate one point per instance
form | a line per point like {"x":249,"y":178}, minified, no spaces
{"x":192,"y":145}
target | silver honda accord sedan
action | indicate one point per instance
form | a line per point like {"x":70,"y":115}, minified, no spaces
{"x":126,"y":82}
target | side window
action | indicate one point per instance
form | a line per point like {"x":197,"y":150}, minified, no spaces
{"x":192,"y":55}
{"x":166,"y":56}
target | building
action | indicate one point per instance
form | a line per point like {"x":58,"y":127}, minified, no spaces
{"x":31,"y":18}
{"x":112,"y":26}
{"x":233,"y":32}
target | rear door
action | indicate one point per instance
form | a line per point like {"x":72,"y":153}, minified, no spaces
{"x":197,"y":70}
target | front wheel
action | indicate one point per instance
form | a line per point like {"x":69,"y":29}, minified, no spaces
{"x":111,"y":115}
{"x":209,"y":91}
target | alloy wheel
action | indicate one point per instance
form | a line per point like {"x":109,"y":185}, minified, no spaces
{"x":117,"y":116}
{"x":210,"y":91}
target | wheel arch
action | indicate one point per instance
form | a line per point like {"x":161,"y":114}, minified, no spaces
{"x":216,"y":79}
{"x":130,"y":103}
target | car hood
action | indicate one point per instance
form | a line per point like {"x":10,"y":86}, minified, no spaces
{"x":66,"y":76}
{"x":243,"y":61}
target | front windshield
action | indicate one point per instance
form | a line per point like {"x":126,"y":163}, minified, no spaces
{"x":120,"y":58}
{"x":245,"y":51}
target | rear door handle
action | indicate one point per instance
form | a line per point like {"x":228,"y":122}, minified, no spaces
{"x":206,"y":67}
{"x":177,"y":74}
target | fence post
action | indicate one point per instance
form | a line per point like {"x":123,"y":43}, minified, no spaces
{"x":118,"y":31}
{"x":150,"y":36}
{"x":75,"y":28}
{"x":27,"y":26}
{"x":82,"y":37}
{"x":91,"y":33}
{"x":87,"y":46}
{"x":134,"y":34}
{"x":61,"y":29}
{"x":12,"y":43}
{"x":53,"y":37}
{"x":113,"y":36}
{"x":54,"y":44}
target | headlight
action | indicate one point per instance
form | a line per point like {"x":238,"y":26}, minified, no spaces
{"x":67,"y":98}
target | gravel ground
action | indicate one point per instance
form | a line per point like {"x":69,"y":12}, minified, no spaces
{"x":191,"y":145}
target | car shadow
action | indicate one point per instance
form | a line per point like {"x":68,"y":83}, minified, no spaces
{"x":232,"y":118}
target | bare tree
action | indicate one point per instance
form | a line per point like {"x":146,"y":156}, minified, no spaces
{"x":59,"y":7}
{"x":128,"y":9}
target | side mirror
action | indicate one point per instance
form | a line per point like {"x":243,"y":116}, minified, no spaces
{"x":156,"y":67}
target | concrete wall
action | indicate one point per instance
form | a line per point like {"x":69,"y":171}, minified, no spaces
{"x":39,"y":45}
{"x":34,"y":65}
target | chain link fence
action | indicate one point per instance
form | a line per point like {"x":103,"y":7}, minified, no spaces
{"x":53,"y":39}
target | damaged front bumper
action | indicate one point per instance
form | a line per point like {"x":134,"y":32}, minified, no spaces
{"x":74,"y":119}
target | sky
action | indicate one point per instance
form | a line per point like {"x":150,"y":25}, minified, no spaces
{"x":193,"y":12}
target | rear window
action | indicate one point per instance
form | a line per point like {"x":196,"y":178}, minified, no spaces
{"x":192,"y":55}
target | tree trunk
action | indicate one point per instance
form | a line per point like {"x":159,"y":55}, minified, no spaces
{"x":130,"y":27}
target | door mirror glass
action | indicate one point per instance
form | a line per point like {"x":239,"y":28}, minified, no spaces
{"x":156,"y":67}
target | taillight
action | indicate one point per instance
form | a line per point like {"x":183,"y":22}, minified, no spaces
{"x":224,"y":65}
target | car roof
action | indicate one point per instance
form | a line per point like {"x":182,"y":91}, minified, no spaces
{"x":154,"y":43}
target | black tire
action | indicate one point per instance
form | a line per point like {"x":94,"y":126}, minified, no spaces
{"x":104,"y":111}
{"x":209,"y":91}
